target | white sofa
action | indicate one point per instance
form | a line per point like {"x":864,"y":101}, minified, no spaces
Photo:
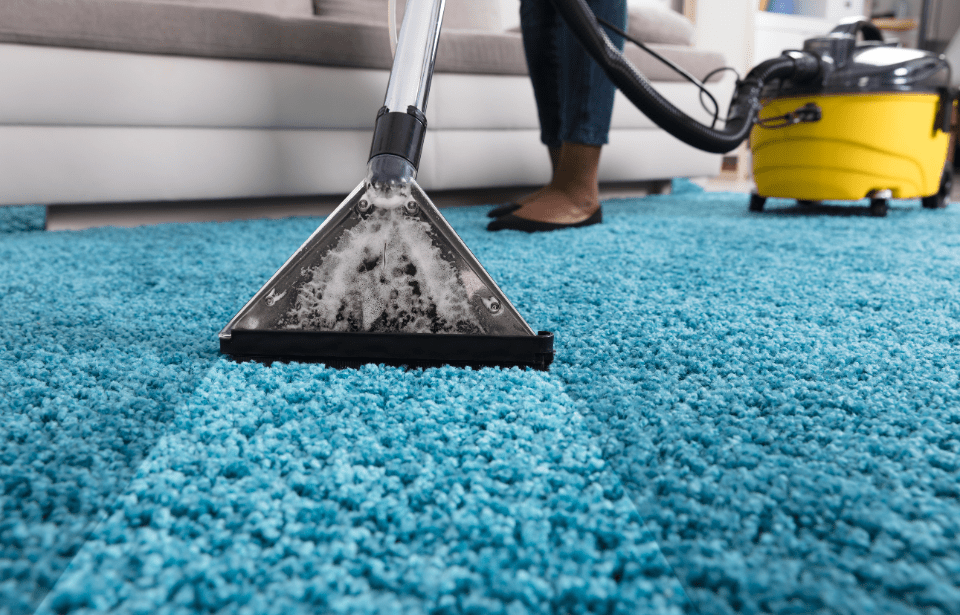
{"x":110,"y":101}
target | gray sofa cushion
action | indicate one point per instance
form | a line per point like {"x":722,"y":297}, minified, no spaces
{"x":202,"y":31}
{"x":652,"y":22}
{"x":457,"y":14}
{"x":302,"y":8}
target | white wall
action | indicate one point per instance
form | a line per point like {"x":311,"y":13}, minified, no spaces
{"x":727,"y":26}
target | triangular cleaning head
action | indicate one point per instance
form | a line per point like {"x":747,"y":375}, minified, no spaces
{"x":389,"y":283}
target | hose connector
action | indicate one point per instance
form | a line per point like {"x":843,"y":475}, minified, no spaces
{"x":399,"y":134}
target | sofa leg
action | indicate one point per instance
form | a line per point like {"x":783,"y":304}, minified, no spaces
{"x":659,"y":186}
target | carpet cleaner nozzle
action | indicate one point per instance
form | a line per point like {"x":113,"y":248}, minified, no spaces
{"x":385,"y":278}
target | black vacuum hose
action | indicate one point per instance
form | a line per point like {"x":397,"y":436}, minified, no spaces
{"x":797,"y":66}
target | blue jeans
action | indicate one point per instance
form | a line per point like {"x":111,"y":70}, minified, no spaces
{"x":574,"y":96}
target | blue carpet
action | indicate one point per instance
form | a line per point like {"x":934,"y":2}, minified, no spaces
{"x":748,"y":414}
{"x":24,"y":218}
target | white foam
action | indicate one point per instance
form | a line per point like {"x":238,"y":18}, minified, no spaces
{"x":385,"y":274}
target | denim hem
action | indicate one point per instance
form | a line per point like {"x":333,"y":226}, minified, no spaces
{"x":586,"y":137}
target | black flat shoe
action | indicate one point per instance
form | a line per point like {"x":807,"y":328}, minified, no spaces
{"x":503,"y":210}
{"x":512,"y":222}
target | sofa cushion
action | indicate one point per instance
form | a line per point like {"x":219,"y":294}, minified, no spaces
{"x":457,"y":14}
{"x":273,"y":7}
{"x":652,"y":22}
{"x":203,"y":31}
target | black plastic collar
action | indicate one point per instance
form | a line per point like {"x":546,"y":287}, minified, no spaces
{"x":400,"y":134}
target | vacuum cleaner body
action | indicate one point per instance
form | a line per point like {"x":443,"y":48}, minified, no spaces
{"x":863,"y":145}
{"x":876,"y":124}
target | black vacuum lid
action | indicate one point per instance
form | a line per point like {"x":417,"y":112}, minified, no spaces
{"x":870,"y":65}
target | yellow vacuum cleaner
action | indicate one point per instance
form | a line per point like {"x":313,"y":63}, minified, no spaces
{"x":875,"y":125}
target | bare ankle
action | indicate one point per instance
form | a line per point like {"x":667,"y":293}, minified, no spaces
{"x":577,"y":174}
{"x":554,"y":158}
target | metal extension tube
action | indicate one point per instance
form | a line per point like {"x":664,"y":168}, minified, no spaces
{"x":401,"y":123}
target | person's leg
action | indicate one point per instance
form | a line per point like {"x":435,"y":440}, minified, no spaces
{"x":539,"y":24}
{"x":585,"y":104}
{"x":586,"y":93}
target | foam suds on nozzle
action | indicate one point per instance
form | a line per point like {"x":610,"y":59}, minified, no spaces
{"x":388,"y":195}
{"x":384,"y":275}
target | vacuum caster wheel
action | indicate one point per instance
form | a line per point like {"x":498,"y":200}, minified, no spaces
{"x":878,"y":208}
{"x":941,"y":198}
{"x":757,"y":202}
